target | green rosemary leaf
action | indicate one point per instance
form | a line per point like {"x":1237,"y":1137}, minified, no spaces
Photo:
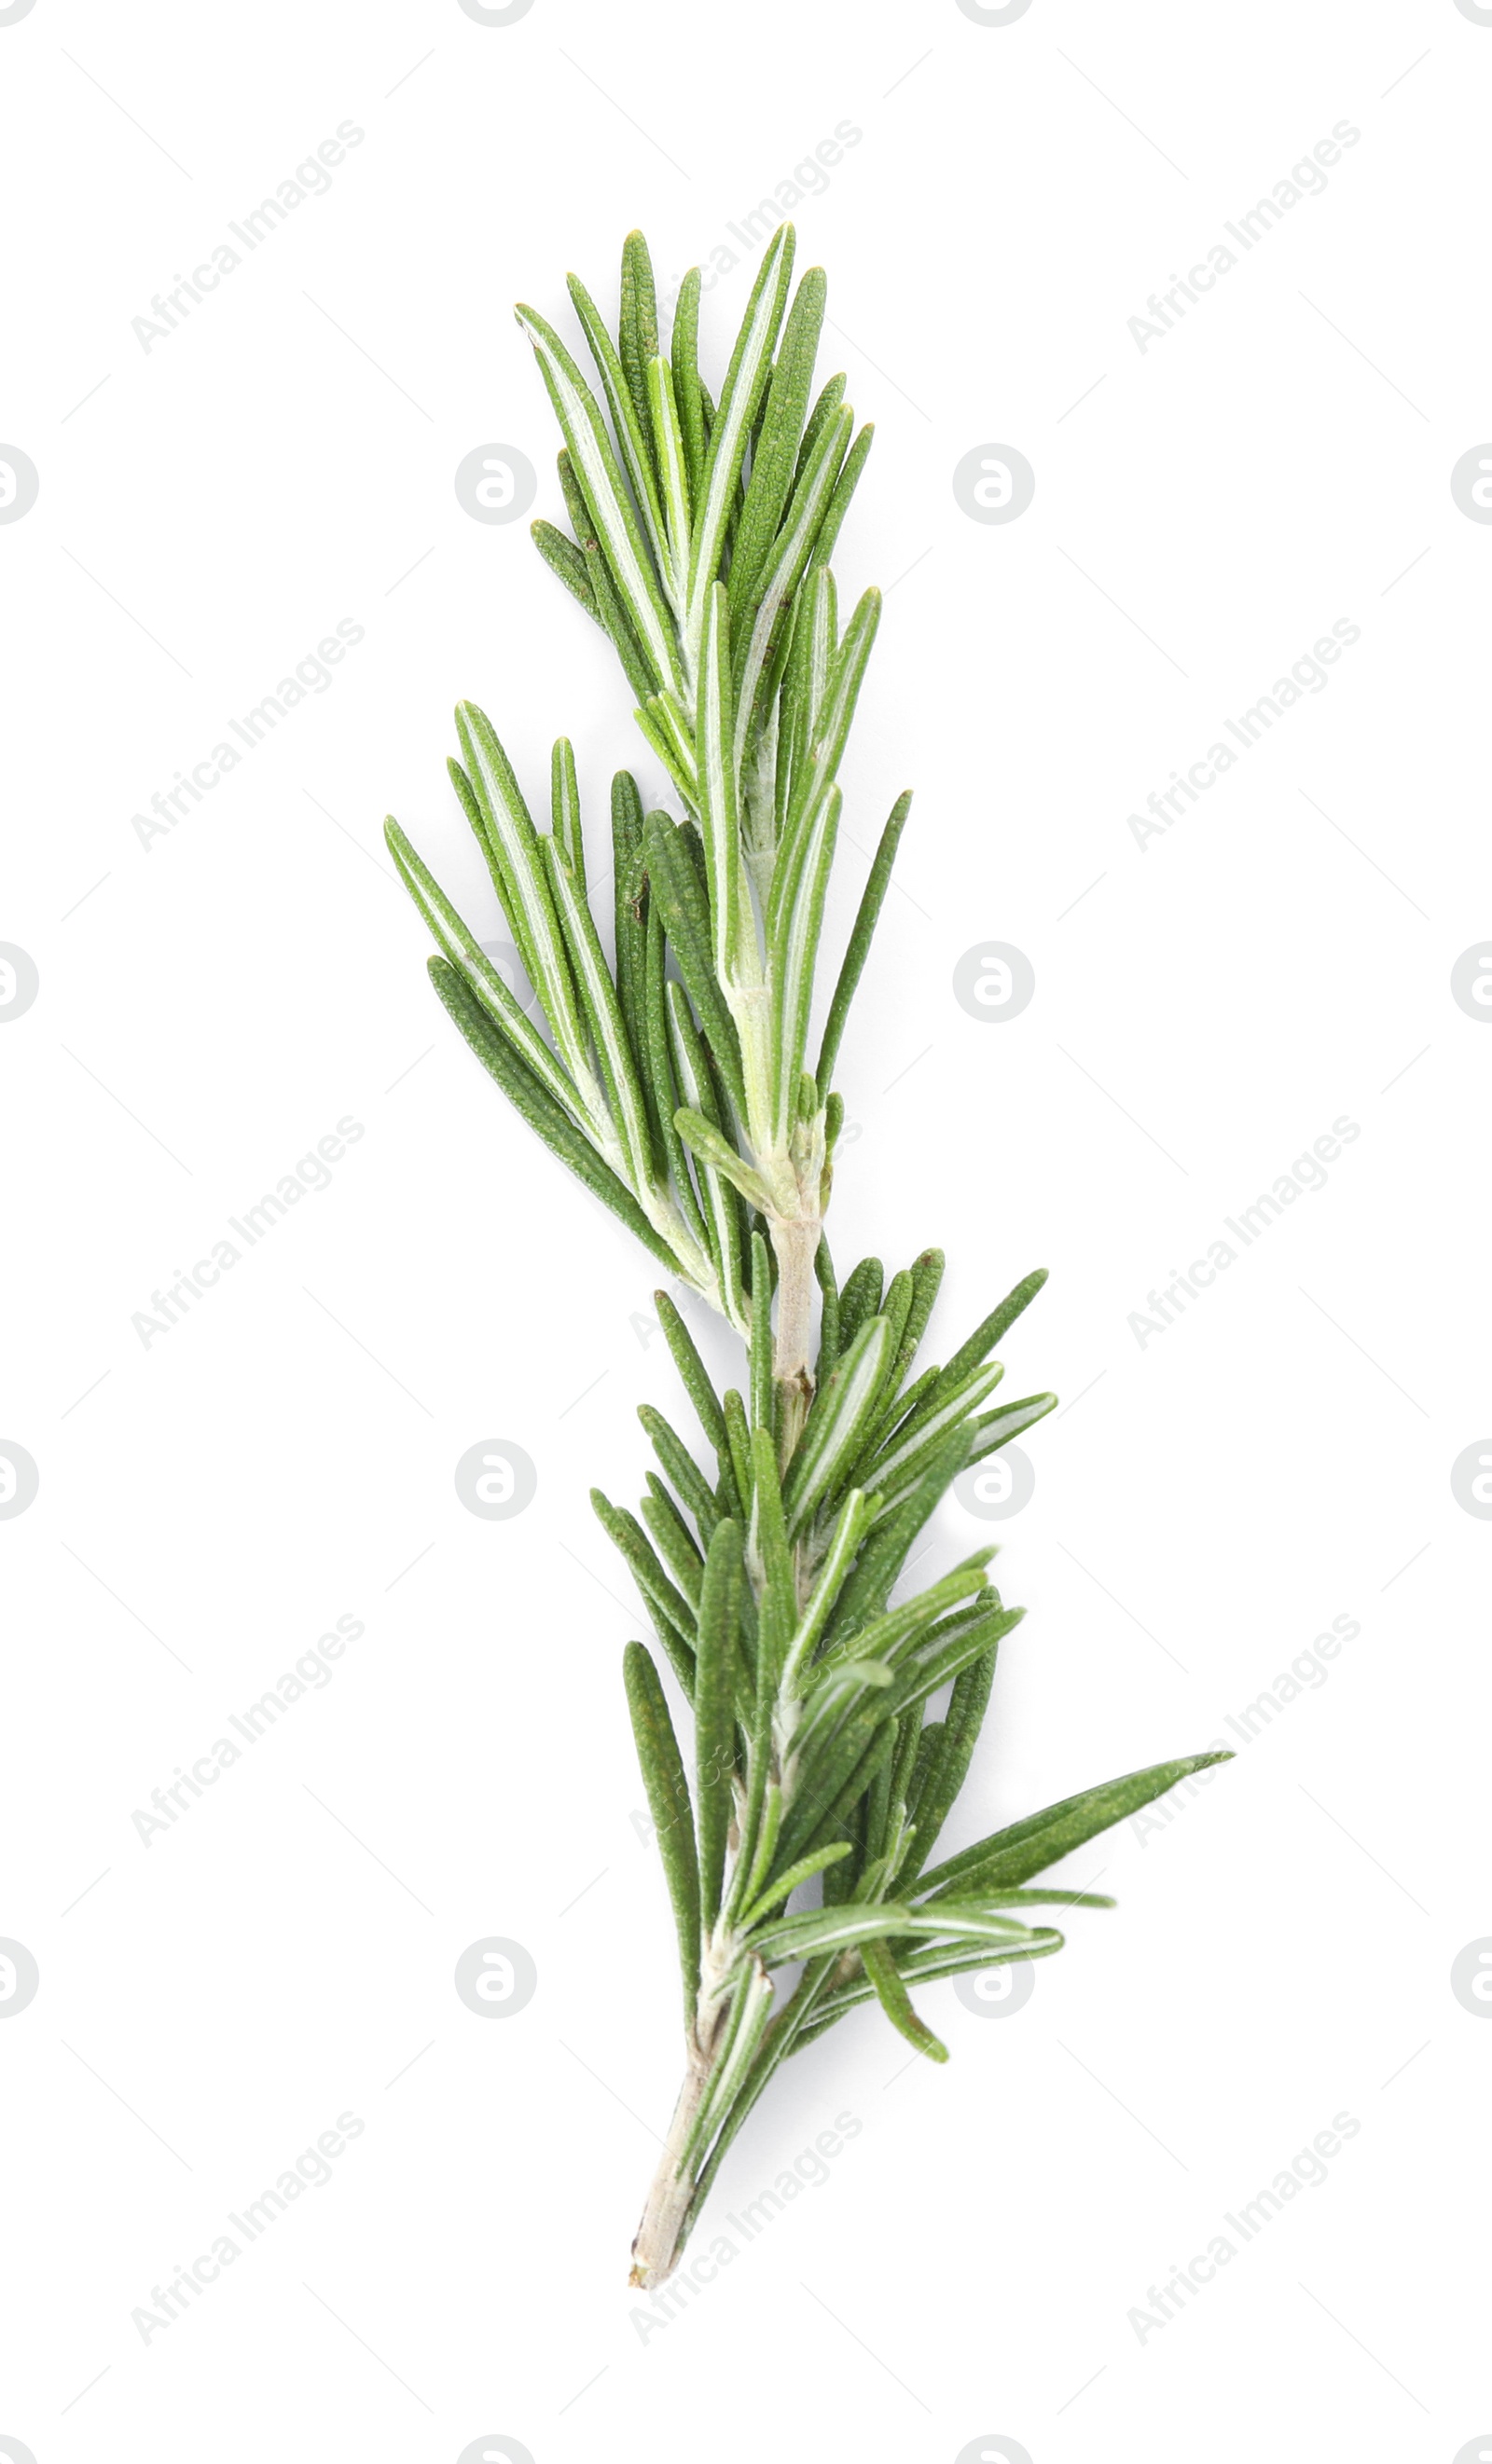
{"x":612,"y":610}
{"x":512,"y":833}
{"x":692,"y":1369}
{"x":629,"y":426}
{"x":663,"y":723}
{"x":682,"y":1471}
{"x":1030,"y":1846}
{"x":676,"y":1545}
{"x":785,"y":1884}
{"x":924,"y":1968}
{"x":630,"y":904}
{"x":995,"y":1899}
{"x":751,"y":366}
{"x":595,"y":467}
{"x":925,"y":1671}
{"x":704,"y":1141}
{"x":524,"y":1091}
{"x":673,"y":465}
{"x":981,"y":1342}
{"x":897,"y":2003}
{"x":603,"y":1018}
{"x":738,"y":1440}
{"x":686,"y":378}
{"x":763,"y":647}
{"x":972,"y":1920}
{"x":662,"y":1091}
{"x":926,"y":1276}
{"x":806,"y":672}
{"x":723,"y":1209}
{"x":637,"y":327}
{"x":564,"y":808}
{"x":459,"y":946}
{"x":714,"y":1709}
{"x":948,"y":1762}
{"x":764,"y":1392}
{"x":830,"y":1780}
{"x":838,"y":1930}
{"x":497,"y":867}
{"x":939,"y":1411}
{"x":755,"y":2003}
{"x":732,"y":932}
{"x":895,"y":1309}
{"x":668,"y":1802}
{"x":576,"y":505}
{"x":770,"y":1545}
{"x":829,"y":1312}
{"x":859,"y":1299}
{"x":562,"y":557}
{"x":774,"y":455}
{"x":848,"y":481}
{"x":671,"y":1611}
{"x":901,"y":1407}
{"x":881,"y":1559}
{"x":889,"y":1636}
{"x":999,"y":1427}
{"x":836,"y":1427}
{"x":830,"y":396}
{"x":802,"y":872}
{"x":839,"y":1558}
{"x":867,"y":916}
{"x":687,"y":922}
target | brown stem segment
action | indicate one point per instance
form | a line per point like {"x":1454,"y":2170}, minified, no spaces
{"x":796,"y":1241}
{"x":654,"y":2253}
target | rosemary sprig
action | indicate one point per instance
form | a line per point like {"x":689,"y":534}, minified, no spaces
{"x":671,"y":1077}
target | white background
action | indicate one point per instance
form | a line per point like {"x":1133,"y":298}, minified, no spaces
{"x":212,"y":1005}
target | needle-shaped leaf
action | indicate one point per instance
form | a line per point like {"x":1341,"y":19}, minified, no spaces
{"x":981,"y":1342}
{"x":897,"y":2003}
{"x":672,"y":1613}
{"x":750,"y":365}
{"x":668,"y":1802}
{"x":839,"y":1558}
{"x":775,"y":452}
{"x":939,"y":1411}
{"x":802,"y":870}
{"x":948,"y":1762}
{"x":681,"y":1469}
{"x":686,"y":921}
{"x":629,"y":426}
{"x":862,"y":936}
{"x":564,"y":808}
{"x":603,"y":1018}
{"x":714,"y":1709}
{"x":511,"y":829}
{"x":668,"y":448}
{"x":836,"y":1427}
{"x":703,"y":1140}
{"x":998,"y":1428}
{"x":691,"y":1369}
{"x":685,"y":364}
{"x":538,"y":1109}
{"x":1028,"y":1847}
{"x":457,"y":943}
{"x":617,"y":526}
{"x":725,"y":1214}
{"x":762,"y":644}
{"x":677,"y":1543}
{"x":638,"y":326}
{"x":794,"y":1880}
{"x":562,"y":557}
{"x":732,"y":932}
